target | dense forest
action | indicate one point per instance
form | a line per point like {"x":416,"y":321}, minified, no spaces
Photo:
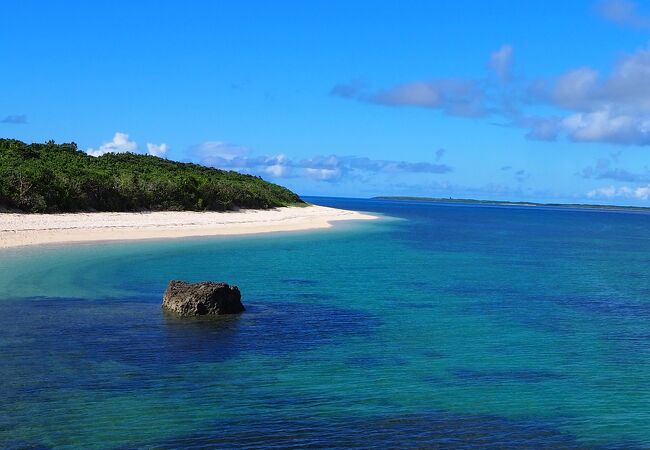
{"x":60,"y":178}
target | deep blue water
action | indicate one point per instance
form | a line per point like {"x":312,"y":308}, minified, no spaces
{"x":441,"y":325}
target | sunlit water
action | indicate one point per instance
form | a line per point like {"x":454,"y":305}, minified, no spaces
{"x":443,"y":325}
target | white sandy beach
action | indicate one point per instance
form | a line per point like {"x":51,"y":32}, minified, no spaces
{"x":33,"y":229}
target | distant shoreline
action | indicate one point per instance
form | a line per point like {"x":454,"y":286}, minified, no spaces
{"x":522,"y":204}
{"x":17,"y":229}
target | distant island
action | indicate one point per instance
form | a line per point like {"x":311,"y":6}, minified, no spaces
{"x":507,"y":203}
{"x":52,"y":178}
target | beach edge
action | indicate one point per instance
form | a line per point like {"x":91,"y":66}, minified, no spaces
{"x":26,"y":230}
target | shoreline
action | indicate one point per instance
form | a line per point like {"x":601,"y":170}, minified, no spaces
{"x":21,"y":230}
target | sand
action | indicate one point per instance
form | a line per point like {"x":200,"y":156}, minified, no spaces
{"x":34,"y":229}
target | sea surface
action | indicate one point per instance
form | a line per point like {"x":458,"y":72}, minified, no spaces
{"x":440,"y":325}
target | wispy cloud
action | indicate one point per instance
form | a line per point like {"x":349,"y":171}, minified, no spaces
{"x":226,"y":155}
{"x":453,"y":96}
{"x":520,"y":175}
{"x":623,"y":12}
{"x":604,"y":169}
{"x":15,"y":119}
{"x":586,"y":105}
{"x":501,"y":62}
{"x":321,"y":167}
{"x":218,"y":151}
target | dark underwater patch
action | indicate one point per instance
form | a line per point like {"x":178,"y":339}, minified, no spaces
{"x":432,"y":430}
{"x":602,"y":305}
{"x":627,"y":347}
{"x":314,"y":296}
{"x":418,"y":305}
{"x":506,"y":376}
{"x":121,"y":346}
{"x":519,"y":308}
{"x":22,"y":445}
{"x":368,"y":361}
{"x":467,"y":289}
{"x":415,"y":284}
{"x":299,"y":282}
{"x":434,"y":354}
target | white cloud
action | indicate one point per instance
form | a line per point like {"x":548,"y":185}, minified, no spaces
{"x":625,"y":90}
{"x":323,"y":174}
{"x":275,"y":166}
{"x":119,"y":144}
{"x":603,"y":126}
{"x":611,"y":109}
{"x":277,"y":170}
{"x":642,"y":192}
{"x":159,"y":150}
{"x":609,"y":192}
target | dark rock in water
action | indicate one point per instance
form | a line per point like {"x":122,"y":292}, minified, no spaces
{"x":200,"y":299}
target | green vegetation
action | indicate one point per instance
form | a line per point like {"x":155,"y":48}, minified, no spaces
{"x":60,"y":178}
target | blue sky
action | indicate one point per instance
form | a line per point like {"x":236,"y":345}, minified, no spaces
{"x":528,"y":100}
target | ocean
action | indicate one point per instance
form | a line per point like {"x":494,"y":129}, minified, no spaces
{"x":440,"y":325}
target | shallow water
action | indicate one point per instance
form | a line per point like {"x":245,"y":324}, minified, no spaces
{"x":446,"y":325}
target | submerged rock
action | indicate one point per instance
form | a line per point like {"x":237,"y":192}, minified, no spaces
{"x":200,"y":299}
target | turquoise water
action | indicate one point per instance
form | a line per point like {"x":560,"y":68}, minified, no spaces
{"x":445,"y":325}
